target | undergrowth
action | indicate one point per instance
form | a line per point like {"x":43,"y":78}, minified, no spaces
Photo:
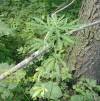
{"x":47,"y":78}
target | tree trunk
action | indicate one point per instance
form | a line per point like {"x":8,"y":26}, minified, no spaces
{"x":85,"y":58}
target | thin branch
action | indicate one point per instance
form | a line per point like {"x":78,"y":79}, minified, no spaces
{"x":46,"y":37}
{"x":23,"y":63}
{"x":86,"y":26}
{"x":52,"y":15}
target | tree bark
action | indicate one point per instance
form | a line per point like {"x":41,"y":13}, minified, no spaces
{"x":85,"y":57}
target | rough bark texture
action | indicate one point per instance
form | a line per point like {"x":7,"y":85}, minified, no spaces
{"x":85,"y":58}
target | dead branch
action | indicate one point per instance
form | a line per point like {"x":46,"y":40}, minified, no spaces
{"x":23,"y":63}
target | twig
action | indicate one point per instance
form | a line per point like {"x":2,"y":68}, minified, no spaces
{"x":86,"y":26}
{"x":46,"y":37}
{"x":57,"y":11}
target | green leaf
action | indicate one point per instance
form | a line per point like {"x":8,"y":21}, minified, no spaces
{"x":59,"y":44}
{"x":36,"y":93}
{"x":62,"y":62}
{"x":53,"y":91}
{"x":37,"y":89}
{"x":4,"y":29}
{"x":39,"y":20}
{"x":12,"y":85}
{"x":68,"y":39}
{"x":77,"y":98}
{"x":49,"y":64}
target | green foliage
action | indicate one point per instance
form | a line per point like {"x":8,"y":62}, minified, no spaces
{"x":48,"y":90}
{"x":85,"y":90}
{"x":8,"y":46}
{"x":49,"y":68}
{"x":58,"y":32}
{"x":27,"y":22}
